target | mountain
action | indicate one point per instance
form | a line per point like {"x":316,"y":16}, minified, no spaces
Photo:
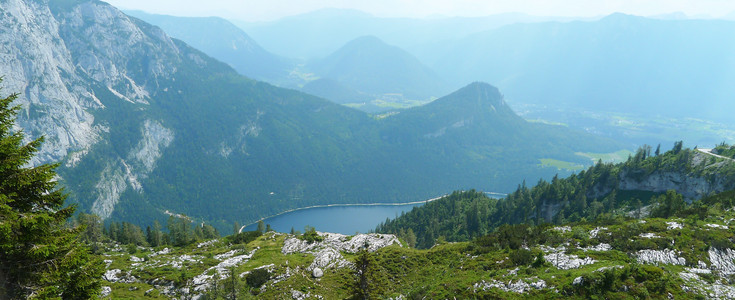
{"x":603,"y":191}
{"x":146,"y":126}
{"x":322,"y":32}
{"x":370,"y":66}
{"x":620,"y":63}
{"x":224,"y":41}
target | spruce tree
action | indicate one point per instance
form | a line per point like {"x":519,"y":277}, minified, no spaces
{"x":41,"y":256}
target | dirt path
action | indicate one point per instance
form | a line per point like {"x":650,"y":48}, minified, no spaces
{"x":707,"y":151}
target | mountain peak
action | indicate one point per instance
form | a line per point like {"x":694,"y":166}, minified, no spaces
{"x":369,"y":65}
{"x":478,"y":95}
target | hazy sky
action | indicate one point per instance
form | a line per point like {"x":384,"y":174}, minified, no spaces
{"x":263,"y":10}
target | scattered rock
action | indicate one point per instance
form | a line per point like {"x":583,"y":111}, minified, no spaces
{"x":660,"y":256}
{"x":577,"y":281}
{"x":717,"y":226}
{"x":317,"y":273}
{"x":201,"y":281}
{"x":674,"y":225}
{"x":106,"y":291}
{"x":111,"y":275}
{"x":225,"y":255}
{"x":298,"y":295}
{"x":136,"y":259}
{"x":649,"y":235}
{"x":600,"y":247}
{"x":562,"y":229}
{"x":717,"y":290}
{"x":565,"y":262}
{"x":519,"y":286}
{"x":596,"y":231}
{"x":207,"y":243}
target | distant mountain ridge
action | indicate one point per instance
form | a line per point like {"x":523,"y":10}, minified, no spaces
{"x":224,"y":41}
{"x":619,"y":63}
{"x":324,"y":31}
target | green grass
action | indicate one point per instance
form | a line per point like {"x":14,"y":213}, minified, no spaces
{"x":614,"y":157}
{"x":561,"y":165}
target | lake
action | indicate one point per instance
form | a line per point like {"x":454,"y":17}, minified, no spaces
{"x":338,"y":219}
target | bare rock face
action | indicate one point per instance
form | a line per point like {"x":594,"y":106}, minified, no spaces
{"x":128,"y":172}
{"x":37,"y":64}
{"x":722,"y":260}
{"x":69,"y":61}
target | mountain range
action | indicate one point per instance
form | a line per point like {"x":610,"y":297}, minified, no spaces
{"x":145,"y":126}
{"x":225,"y":42}
{"x":322,"y":32}
{"x":605,"y":65}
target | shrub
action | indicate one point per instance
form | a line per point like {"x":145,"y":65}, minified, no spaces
{"x":310,"y":235}
{"x":257,"y":278}
{"x":244,"y":237}
{"x":521,"y":257}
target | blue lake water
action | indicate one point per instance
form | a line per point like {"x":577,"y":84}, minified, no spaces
{"x":338,"y":219}
{"x":341,"y":219}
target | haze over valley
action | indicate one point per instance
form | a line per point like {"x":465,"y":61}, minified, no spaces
{"x":180,"y":146}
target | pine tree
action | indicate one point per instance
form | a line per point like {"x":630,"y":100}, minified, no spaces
{"x":368,"y":283}
{"x":261,"y":226}
{"x":236,"y":227}
{"x":40,"y":255}
{"x":410,"y":238}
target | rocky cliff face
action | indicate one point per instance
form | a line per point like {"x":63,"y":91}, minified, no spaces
{"x":691,"y":185}
{"x":63,"y":59}
{"x":37,"y":64}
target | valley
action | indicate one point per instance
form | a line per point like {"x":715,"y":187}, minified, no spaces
{"x":345,"y":154}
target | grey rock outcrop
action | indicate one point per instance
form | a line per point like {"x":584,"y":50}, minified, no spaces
{"x":722,"y":260}
{"x":327,"y":252}
{"x":666,"y":256}
{"x":340,"y":242}
{"x":691,"y":187}
{"x":328,"y":258}
{"x":560,"y":260}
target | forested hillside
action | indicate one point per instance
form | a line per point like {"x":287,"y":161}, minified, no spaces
{"x":602,"y":191}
